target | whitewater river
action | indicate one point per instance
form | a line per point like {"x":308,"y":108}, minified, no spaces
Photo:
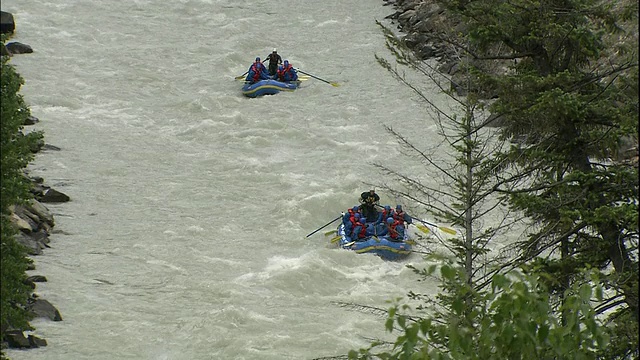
{"x":185,"y":235}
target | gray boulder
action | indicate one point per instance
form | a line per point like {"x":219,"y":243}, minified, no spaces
{"x":18,"y":48}
{"x":53,"y":196}
{"x":43,"y":308}
{"x":41,"y":211}
{"x":31,"y":120}
{"x":16,"y":339}
{"x":32,"y":246}
{"x":7,"y":24}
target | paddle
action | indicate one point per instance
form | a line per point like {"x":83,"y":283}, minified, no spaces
{"x":443,"y":228}
{"x":330,"y":232}
{"x":325,"y":225}
{"x":315,"y":77}
{"x":423,"y":228}
{"x":242,"y":76}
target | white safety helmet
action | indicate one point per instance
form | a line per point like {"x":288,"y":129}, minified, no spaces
{"x":275,"y":50}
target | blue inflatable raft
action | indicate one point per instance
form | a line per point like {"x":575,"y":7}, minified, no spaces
{"x":382,"y":246}
{"x":268,"y":87}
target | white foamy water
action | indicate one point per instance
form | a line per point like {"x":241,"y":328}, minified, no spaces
{"x":185,"y":236}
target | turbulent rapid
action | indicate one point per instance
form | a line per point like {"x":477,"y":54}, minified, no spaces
{"x":185,"y":234}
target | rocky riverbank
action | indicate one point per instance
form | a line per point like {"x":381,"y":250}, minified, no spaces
{"x":427,"y":30}
{"x":421,"y":22}
{"x":34,"y":222}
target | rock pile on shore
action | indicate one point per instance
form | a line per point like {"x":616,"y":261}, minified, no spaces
{"x":34,"y":222}
{"x":420,"y":21}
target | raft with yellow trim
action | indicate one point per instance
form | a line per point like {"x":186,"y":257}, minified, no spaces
{"x":268,"y":87}
{"x":383,"y":246}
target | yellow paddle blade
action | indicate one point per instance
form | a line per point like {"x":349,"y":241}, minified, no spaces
{"x":336,"y":239}
{"x":423,"y":228}
{"x":447,"y":230}
{"x":330,"y":232}
{"x":334,"y":84}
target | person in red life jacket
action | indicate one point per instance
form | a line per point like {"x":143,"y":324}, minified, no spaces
{"x":359,"y":229}
{"x":355,"y":218}
{"x":287,"y":73}
{"x":382,"y":216}
{"x":274,"y":61}
{"x":351,"y":223}
{"x":396,"y":229}
{"x":400,"y":215}
{"x":349,"y":214}
{"x":279,"y":73}
{"x":257,"y":72}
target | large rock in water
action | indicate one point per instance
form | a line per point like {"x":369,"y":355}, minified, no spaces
{"x":18,"y":48}
{"x":7,"y":24}
{"x":43,"y":308}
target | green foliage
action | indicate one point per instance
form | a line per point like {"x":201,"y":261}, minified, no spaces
{"x":623,"y":332}
{"x":13,"y":291}
{"x":463,"y":196}
{"x":16,"y":146}
{"x":550,"y":32}
{"x":511,"y":320}
{"x":568,"y":100}
{"x":15,"y":154}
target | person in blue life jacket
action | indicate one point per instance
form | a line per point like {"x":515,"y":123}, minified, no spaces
{"x":381,"y":222}
{"x":287,"y":73}
{"x":257,"y":72}
{"x":381,"y":229}
{"x":400,"y":215}
{"x":359,"y":229}
{"x":384,"y":214}
{"x":371,"y":229}
{"x":274,"y":61}
{"x":348,"y":229}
